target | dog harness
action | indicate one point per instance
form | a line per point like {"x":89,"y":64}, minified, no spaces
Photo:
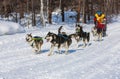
{"x":61,"y":35}
{"x":36,"y":38}
{"x":78,"y":30}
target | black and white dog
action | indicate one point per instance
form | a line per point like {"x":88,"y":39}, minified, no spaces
{"x":81,"y":35}
{"x":97,"y":33}
{"x":35,"y":42}
{"x":58,"y":40}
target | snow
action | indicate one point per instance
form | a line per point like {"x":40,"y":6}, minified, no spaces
{"x":70,"y":16}
{"x":100,"y":60}
{"x":10,"y":28}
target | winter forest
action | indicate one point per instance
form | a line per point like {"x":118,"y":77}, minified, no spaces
{"x":59,"y":39}
{"x":31,"y":9}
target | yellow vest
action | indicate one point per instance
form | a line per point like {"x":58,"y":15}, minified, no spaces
{"x":100,"y":18}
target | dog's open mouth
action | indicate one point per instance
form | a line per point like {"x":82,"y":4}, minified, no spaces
{"x":48,"y":40}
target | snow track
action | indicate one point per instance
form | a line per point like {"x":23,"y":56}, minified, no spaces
{"x":100,"y":60}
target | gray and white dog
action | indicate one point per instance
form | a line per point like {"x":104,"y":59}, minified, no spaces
{"x":35,"y":42}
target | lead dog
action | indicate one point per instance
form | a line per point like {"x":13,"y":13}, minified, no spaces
{"x":35,"y":42}
{"x":58,"y":40}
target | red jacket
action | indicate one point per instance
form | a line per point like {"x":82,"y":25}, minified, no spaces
{"x":100,"y":25}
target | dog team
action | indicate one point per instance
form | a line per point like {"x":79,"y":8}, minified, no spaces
{"x":62,"y":39}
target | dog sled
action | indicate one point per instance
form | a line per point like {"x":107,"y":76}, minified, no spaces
{"x":99,"y":30}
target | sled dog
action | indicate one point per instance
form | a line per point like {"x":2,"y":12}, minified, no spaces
{"x":58,"y":40}
{"x":81,"y":35}
{"x":35,"y":42}
{"x":97,"y":34}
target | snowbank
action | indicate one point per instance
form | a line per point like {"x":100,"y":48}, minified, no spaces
{"x":7,"y":28}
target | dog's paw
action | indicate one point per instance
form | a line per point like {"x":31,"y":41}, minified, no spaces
{"x":83,"y":46}
{"x":89,"y":44}
{"x":49,"y":54}
{"x":101,"y":40}
{"x":36,"y":50}
{"x":94,"y":39}
{"x":66,"y":53}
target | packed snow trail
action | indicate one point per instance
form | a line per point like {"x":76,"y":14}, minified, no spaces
{"x":100,"y":60}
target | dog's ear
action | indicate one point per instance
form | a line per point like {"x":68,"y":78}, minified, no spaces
{"x":30,"y":33}
{"x":27,"y":34}
{"x":49,"y":32}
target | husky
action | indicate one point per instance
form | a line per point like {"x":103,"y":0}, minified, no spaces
{"x":81,"y":35}
{"x":58,"y":40}
{"x":97,"y":33}
{"x":35,"y":42}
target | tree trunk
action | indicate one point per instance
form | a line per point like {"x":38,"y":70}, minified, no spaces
{"x":42,"y":14}
{"x":47,"y":9}
{"x":88,"y":9}
{"x":78,"y":12}
{"x":33,"y":15}
{"x":62,"y":12}
{"x":16,"y":18}
{"x":33,"y":18}
{"x":84,"y":11}
{"x":21,"y":10}
{"x":50,"y":11}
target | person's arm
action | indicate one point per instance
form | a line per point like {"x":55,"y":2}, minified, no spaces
{"x":102,"y":16}
{"x":97,"y":17}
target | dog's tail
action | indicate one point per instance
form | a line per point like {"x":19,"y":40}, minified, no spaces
{"x":59,"y":30}
{"x":88,"y":36}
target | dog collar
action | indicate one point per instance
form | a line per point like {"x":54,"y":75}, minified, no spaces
{"x":78,"y":30}
{"x":36,"y":38}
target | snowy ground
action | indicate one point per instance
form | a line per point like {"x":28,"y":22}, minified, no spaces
{"x":7,"y":28}
{"x":100,"y":60}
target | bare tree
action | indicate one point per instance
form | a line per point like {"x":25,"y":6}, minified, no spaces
{"x":42,"y":14}
{"x":50,"y":11}
{"x":33,"y":14}
{"x":86,"y":7}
